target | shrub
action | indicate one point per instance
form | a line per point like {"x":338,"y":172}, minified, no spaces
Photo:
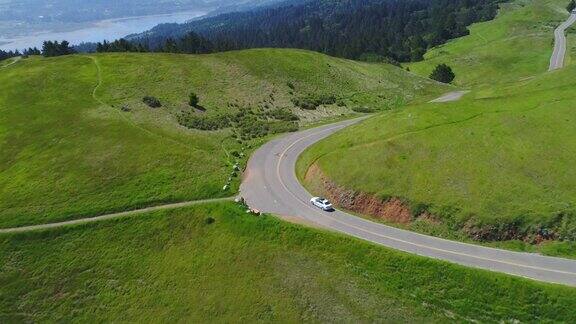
{"x":191,"y":120}
{"x":283,"y":127}
{"x":152,"y":102}
{"x":442,"y":73}
{"x":209,"y":221}
{"x":363,"y":109}
{"x":283,"y":114}
{"x":312,"y":102}
{"x":193,"y":99}
{"x":571,"y":6}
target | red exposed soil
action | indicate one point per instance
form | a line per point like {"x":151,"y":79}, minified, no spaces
{"x":392,"y":209}
{"x":395,"y":210}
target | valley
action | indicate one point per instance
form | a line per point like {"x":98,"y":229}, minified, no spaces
{"x":158,"y":186}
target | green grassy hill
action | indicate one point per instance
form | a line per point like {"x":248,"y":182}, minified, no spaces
{"x":515,"y":46}
{"x":495,"y":166}
{"x":177,"y":266}
{"x":77,"y":140}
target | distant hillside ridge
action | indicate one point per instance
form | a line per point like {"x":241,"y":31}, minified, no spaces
{"x":372,"y":30}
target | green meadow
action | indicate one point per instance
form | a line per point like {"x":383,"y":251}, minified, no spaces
{"x":214,"y":262}
{"x":77,"y":140}
{"x":514,"y":47}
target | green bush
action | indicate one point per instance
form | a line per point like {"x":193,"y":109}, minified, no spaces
{"x":203,"y":122}
{"x":571,"y":6}
{"x":283,"y":114}
{"x":363,"y":109}
{"x":193,"y":100}
{"x":443,"y":73}
{"x":312,"y":102}
{"x":283,"y":127}
{"x":247,"y":123}
{"x":152,"y":102}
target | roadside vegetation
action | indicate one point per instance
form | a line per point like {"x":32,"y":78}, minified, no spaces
{"x":87,"y":135}
{"x":216,"y":263}
{"x":494,"y":167}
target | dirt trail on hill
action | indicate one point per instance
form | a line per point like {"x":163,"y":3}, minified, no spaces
{"x":111,"y":216}
{"x":18,"y":58}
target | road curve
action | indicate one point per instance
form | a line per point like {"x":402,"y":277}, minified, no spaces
{"x":557,"y":59}
{"x":271,"y":186}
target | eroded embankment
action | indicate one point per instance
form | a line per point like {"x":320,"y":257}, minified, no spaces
{"x":392,"y":209}
{"x":398,"y":211}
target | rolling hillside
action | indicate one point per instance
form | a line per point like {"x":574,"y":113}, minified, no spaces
{"x":494,"y":167}
{"x":77,"y":140}
{"x":514,"y":47}
{"x":217,"y":263}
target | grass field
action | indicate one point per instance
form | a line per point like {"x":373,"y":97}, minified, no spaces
{"x":514,"y":47}
{"x":496,"y":165}
{"x":76,"y":139}
{"x":174,"y":265}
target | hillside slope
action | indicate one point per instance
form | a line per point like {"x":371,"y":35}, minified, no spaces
{"x":217,"y":263}
{"x":493,"y":167}
{"x":513,"y":47}
{"x":77,"y":140}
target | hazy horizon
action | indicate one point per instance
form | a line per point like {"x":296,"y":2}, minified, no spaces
{"x":27,"y":23}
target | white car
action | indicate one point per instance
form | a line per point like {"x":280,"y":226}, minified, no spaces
{"x":321,"y":203}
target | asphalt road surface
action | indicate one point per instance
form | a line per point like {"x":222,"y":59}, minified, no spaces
{"x":451,"y":96}
{"x":271,"y":186}
{"x":557,"y":59}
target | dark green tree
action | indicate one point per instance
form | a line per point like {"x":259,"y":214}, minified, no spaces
{"x":170,"y":46}
{"x":443,"y":73}
{"x":50,"y":48}
{"x":6,"y":55}
{"x":571,"y":6}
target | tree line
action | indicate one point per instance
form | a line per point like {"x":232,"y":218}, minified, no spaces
{"x":190,"y":43}
{"x":49,"y":49}
{"x":370,"y":30}
{"x":8,"y":54}
{"x":376,"y":30}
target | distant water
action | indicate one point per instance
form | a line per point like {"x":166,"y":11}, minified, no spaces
{"x":110,"y":29}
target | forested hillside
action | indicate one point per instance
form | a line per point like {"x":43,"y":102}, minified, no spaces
{"x":372,"y":30}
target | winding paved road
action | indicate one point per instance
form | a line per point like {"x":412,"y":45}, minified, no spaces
{"x":271,"y":186}
{"x":557,"y":59}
